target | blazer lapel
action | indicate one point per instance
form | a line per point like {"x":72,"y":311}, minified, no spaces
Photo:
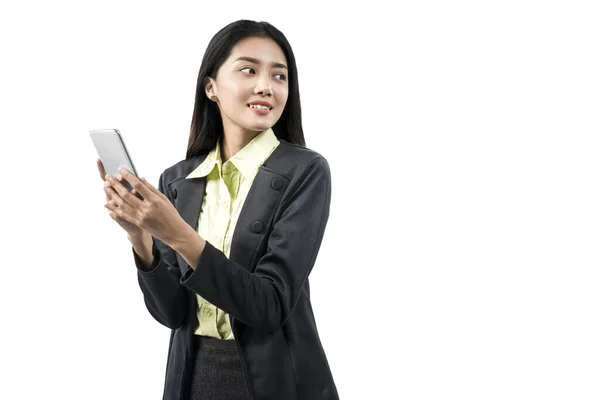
{"x":256,"y":216}
{"x":187,"y":196}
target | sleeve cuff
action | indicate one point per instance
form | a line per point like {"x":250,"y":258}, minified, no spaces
{"x":193,"y":277}
{"x":140,"y":264}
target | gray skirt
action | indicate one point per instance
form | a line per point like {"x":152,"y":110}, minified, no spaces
{"x":218,"y":372}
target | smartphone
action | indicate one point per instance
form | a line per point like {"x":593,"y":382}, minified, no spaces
{"x":113,"y":153}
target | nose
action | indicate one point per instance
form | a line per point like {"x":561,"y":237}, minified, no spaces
{"x":263,"y":87}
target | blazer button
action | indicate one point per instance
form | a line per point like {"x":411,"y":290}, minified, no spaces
{"x":257,"y":227}
{"x":277,"y":184}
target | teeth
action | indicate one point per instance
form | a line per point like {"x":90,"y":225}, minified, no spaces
{"x":259,"y":107}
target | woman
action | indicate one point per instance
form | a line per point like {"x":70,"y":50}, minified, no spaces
{"x":225,"y":245}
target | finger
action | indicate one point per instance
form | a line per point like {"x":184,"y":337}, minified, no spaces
{"x":102,"y":176}
{"x":117,"y":200}
{"x":112,"y":193}
{"x":111,"y":205}
{"x":137,"y":194}
{"x":135,"y":183}
{"x":113,"y":210}
{"x":112,"y":198}
{"x":120,"y":206}
{"x":118,"y":214}
{"x":107,"y":192}
{"x":116,"y":218}
{"x":152,"y":188}
{"x":101,"y":169}
{"x":123,"y":192}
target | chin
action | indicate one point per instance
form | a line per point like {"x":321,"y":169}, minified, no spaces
{"x":259,"y":127}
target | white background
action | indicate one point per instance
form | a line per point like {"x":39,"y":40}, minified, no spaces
{"x":461,"y":257}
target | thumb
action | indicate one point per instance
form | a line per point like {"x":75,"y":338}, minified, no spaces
{"x":101,"y":169}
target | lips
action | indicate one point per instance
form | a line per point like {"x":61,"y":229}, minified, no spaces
{"x":260,"y":103}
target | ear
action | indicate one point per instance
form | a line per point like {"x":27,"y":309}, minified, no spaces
{"x":210,"y":87}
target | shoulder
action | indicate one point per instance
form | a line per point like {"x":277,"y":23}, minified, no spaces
{"x":293,"y":161}
{"x":288,"y":160}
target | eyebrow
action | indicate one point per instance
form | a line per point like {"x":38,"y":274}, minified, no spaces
{"x":257,"y":61}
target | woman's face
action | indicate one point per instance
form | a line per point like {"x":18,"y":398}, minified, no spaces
{"x":251,"y":87}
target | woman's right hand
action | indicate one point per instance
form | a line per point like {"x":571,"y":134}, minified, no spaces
{"x":132,"y":230}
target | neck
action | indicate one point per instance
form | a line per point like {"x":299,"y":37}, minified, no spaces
{"x":235,"y":141}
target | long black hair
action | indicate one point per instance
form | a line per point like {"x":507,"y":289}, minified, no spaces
{"x":207,"y":125}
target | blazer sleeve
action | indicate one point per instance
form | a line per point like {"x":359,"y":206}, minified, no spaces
{"x":265,"y":298}
{"x":164,"y":296}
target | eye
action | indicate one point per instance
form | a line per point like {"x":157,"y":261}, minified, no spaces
{"x":247,"y":68}
{"x":282,"y":77}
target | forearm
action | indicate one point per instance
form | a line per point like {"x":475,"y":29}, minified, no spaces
{"x":258,"y":300}
{"x":189,"y":245}
{"x":159,"y":280}
{"x":142,"y":245}
{"x":164,"y":296}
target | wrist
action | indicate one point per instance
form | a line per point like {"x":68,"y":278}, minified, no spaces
{"x":143,"y":246}
{"x":190,"y":246}
{"x":182,"y":240}
{"x":137,"y":238}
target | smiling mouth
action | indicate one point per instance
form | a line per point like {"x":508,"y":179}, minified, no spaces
{"x":259,"y":107}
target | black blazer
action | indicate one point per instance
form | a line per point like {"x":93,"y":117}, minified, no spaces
{"x":263,"y":285}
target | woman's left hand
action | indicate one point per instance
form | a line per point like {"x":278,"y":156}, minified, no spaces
{"x":155,"y":214}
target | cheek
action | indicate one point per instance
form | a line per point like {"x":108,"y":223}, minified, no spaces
{"x":232,"y":91}
{"x":283,"y":98}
